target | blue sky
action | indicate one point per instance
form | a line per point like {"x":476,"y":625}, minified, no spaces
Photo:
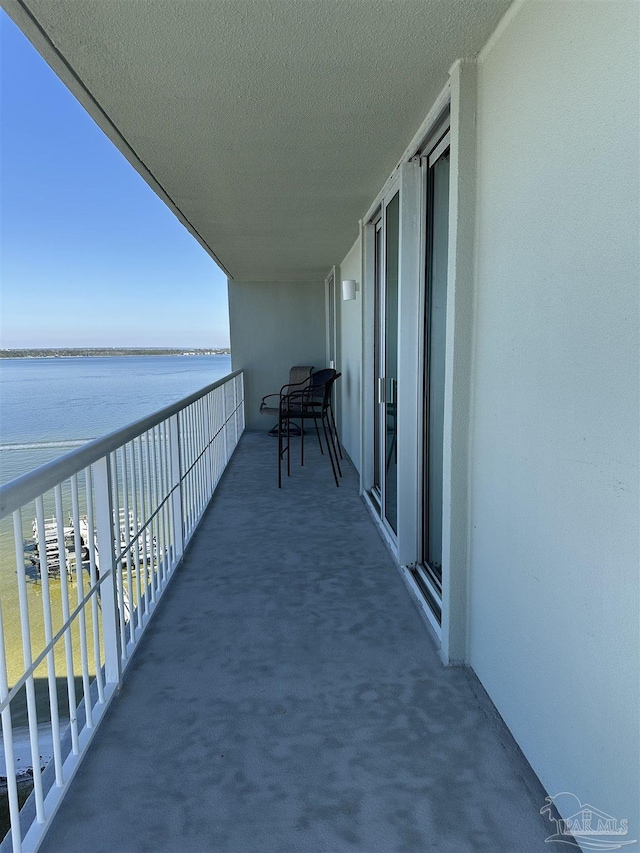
{"x":90,"y":255}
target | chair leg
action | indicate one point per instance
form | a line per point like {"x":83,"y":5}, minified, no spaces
{"x":315,"y":423}
{"x":333,"y":467}
{"x":288,"y":447}
{"x":302,"y":442}
{"x":279,"y":453}
{"x":335,"y":430}
{"x":335,"y":452}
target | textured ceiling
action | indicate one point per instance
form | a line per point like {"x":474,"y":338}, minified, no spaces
{"x":269,"y":125}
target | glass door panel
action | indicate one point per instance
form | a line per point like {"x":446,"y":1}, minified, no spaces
{"x":430,"y":573}
{"x":436,"y":358}
{"x":331,"y":320}
{"x":390,"y":411}
{"x":378,"y":365}
{"x":386,"y":258}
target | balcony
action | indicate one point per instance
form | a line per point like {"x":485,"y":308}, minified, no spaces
{"x":288,"y":697}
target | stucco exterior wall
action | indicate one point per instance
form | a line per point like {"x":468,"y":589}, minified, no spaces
{"x":549,"y":483}
{"x":553,"y":592}
{"x":349,"y":384}
{"x":273,"y":326}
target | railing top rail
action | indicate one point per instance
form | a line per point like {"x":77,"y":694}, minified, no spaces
{"x":24,"y":489}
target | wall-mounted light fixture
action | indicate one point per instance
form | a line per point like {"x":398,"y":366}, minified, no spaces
{"x":349,"y":287}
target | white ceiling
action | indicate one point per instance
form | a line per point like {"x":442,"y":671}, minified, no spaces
{"x":269,"y":126}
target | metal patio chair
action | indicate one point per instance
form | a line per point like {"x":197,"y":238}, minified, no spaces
{"x":309,"y":401}
{"x":270,"y":405}
{"x":317,"y":378}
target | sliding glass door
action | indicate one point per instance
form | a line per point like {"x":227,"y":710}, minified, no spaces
{"x":387,"y":233}
{"x":428,"y":572}
{"x":332,"y":333}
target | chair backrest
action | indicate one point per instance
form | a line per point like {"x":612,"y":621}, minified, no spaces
{"x":321,"y":377}
{"x":299,"y":374}
{"x":313,"y":399}
{"x":321,"y":383}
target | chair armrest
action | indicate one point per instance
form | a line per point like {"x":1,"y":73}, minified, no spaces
{"x":266,"y":397}
{"x":301,"y":400}
{"x":294,"y":386}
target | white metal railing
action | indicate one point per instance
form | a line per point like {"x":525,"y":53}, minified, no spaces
{"x":97,"y":534}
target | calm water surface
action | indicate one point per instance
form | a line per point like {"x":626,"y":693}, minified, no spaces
{"x":50,"y":405}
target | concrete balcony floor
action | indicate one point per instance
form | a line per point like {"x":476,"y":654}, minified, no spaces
{"x":288,"y":698}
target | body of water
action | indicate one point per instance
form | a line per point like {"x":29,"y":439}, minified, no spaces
{"x":48,"y":406}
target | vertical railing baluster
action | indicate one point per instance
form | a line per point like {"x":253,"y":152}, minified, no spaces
{"x":176,"y":485}
{"x":158,"y":518}
{"x":167,"y":474}
{"x":161,"y":519}
{"x":166,"y":539}
{"x":193,"y":503}
{"x":223,"y":398}
{"x":198,"y":442}
{"x":166,"y":550}
{"x":219,"y":432}
{"x":68,"y":641}
{"x":207,"y":445}
{"x":115,"y":496}
{"x":116,"y":548}
{"x":161,"y":537}
{"x":214,"y":434}
{"x":107,"y":569}
{"x":153,"y":477}
{"x":235,"y":421}
{"x":48,"y":636}
{"x":193,"y":409}
{"x":150,"y":528}
{"x":82,"y":626}
{"x":188,"y":472}
{"x":194,"y":468}
{"x":198,"y":439}
{"x":241,"y":403}
{"x":127,"y":538}
{"x":235,"y":411}
{"x":179,"y":447}
{"x":139,"y":542}
{"x":228,"y":408}
{"x":194,"y":463}
{"x":206,"y":474}
{"x":223,"y":428}
{"x":154,"y":507}
{"x":7,"y":741}
{"x":204,"y":452}
{"x":143,"y":523}
{"x":212,"y":439}
{"x":153,"y":468}
{"x":93,"y":579}
{"x":32,"y":714}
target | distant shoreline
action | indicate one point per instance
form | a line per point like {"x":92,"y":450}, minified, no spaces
{"x":105,"y":352}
